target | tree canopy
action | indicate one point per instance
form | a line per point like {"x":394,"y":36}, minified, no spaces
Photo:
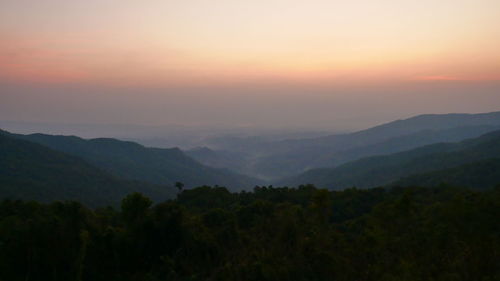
{"x":304,"y":233}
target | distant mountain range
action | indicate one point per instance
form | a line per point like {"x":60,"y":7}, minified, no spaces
{"x":425,"y":150}
{"x":219,"y":158}
{"x":32,"y":171}
{"x":478,"y":175}
{"x":129,"y":160}
{"x":279,"y":159}
{"x":471,"y":162}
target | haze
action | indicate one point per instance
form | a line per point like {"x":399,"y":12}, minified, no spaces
{"x":339,"y":65}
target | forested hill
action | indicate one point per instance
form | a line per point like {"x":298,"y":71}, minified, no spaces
{"x":278,"y":159}
{"x":483,"y":174}
{"x":383,"y":170}
{"x":132,"y":161}
{"x":271,"y":234}
{"x":31,"y":171}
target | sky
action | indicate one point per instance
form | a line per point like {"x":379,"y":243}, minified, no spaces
{"x":273,"y":63}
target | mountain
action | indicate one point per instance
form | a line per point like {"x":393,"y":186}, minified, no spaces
{"x":219,"y":158}
{"x":272,"y":160}
{"x":479,"y":175}
{"x":32,"y":171}
{"x":129,"y":160}
{"x":383,"y":170}
{"x":402,"y":143}
{"x":416,"y":124}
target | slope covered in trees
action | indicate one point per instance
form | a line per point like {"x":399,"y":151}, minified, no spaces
{"x":382,"y":170}
{"x":34,"y":172}
{"x":479,"y":175}
{"x":271,"y":234}
{"x":236,"y":161}
{"x":278,"y":159}
{"x":132,"y":161}
{"x":405,"y":142}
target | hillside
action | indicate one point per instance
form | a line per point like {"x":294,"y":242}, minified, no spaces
{"x":278,"y":159}
{"x":271,"y":234}
{"x":219,"y":158}
{"x":34,"y":172}
{"x":479,"y":175}
{"x":382,"y":170}
{"x":405,"y":142}
{"x":132,"y":161}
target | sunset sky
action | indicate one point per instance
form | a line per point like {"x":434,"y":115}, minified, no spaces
{"x":322,"y":64}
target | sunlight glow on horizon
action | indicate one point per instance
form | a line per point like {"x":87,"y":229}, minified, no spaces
{"x":263,"y":63}
{"x":176,"y":42}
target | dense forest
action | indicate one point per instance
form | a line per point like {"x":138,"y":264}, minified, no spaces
{"x":106,"y":209}
{"x":209,"y":233}
{"x":132,"y":161}
{"x":469,"y":162}
{"x":31,"y":171}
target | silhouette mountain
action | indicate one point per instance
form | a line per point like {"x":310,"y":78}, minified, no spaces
{"x":32,"y":171}
{"x":279,"y":159}
{"x":129,"y":160}
{"x":383,"y":170}
{"x":479,"y":175}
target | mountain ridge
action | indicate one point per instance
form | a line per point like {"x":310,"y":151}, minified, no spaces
{"x":133,"y":161}
{"x":32,"y":171}
{"x":385,"y":169}
{"x":275,"y":160}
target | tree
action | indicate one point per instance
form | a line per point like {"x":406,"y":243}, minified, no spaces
{"x":322,"y":204}
{"x":179,"y":185}
{"x":135,"y":207}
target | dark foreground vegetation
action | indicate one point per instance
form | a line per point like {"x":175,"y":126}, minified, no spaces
{"x":442,"y":233}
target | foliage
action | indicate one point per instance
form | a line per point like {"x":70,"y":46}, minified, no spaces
{"x":131,"y":161}
{"x":208,"y":233}
{"x":476,"y":154}
{"x":33,"y":172}
{"x":479,"y":175}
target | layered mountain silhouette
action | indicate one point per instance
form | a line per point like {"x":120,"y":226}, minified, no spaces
{"x":129,"y":160}
{"x":426,"y":150}
{"x":478,"y":175}
{"x":473,"y":161}
{"x":219,"y":158}
{"x":32,"y":171}
{"x":274,"y":160}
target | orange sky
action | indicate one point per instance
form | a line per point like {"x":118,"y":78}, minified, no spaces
{"x":226,"y":43}
{"x":164,"y":42}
